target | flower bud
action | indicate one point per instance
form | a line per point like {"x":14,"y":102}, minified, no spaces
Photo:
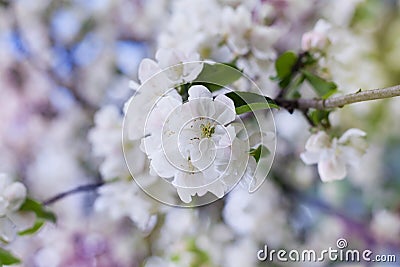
{"x":15,"y":194}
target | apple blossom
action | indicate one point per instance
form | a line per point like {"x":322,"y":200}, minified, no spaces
{"x":244,"y":36}
{"x":55,"y":78}
{"x":172,"y":69}
{"x":258,"y":215}
{"x":115,"y":199}
{"x":317,"y":39}
{"x":12,"y":196}
{"x":193,"y":143}
{"x":332,"y":155}
{"x":386,"y":225}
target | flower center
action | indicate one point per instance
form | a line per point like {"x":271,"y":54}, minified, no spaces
{"x":207,"y":130}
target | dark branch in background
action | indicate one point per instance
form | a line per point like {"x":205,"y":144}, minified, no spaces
{"x":353,"y":225}
{"x":339,"y":101}
{"x":79,"y":189}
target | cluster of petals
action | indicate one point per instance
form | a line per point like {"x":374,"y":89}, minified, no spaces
{"x":333,"y":155}
{"x":194,"y":143}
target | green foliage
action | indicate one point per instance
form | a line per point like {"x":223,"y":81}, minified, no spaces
{"x":6,"y":258}
{"x":320,"y":117}
{"x":323,"y":88}
{"x":175,"y":258}
{"x":260,"y":152}
{"x":40,"y":211}
{"x":284,"y":66}
{"x":366,"y":11}
{"x":201,"y":258}
{"x":249,"y":102}
{"x":215,"y":76}
{"x":285,"y":63}
{"x":293,"y":92}
{"x":36,"y":227}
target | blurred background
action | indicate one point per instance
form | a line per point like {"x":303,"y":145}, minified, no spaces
{"x":65,"y":68}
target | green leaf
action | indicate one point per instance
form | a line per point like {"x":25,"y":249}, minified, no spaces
{"x":215,"y":76}
{"x":323,"y":88}
{"x":36,"y":227}
{"x":252,"y":107}
{"x":293,"y":92}
{"x":284,"y":68}
{"x":284,"y":64}
{"x":201,"y":257}
{"x":248,"y":102}
{"x":259,"y":152}
{"x":40,"y":211}
{"x":320,"y":117}
{"x":6,"y":258}
{"x":175,"y":258}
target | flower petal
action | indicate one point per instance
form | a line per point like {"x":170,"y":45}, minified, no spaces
{"x":350,"y":134}
{"x":331,"y":169}
{"x":7,"y":229}
{"x":199,"y":91}
{"x":161,"y":166}
{"x":15,"y":195}
{"x":224,"y":110}
{"x":147,"y":68}
{"x":318,"y":141}
{"x":310,"y":157}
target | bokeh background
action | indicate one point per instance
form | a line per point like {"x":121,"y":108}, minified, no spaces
{"x":65,"y":69}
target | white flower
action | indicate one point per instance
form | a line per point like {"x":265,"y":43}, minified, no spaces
{"x":332,"y":156}
{"x":106,"y":140}
{"x":244,"y":36}
{"x":193,"y":143}
{"x":246,"y":214}
{"x":317,"y":39}
{"x":12,"y":196}
{"x":116,"y":198}
{"x":173,"y":68}
{"x":125,"y":199}
{"x":386,"y":224}
{"x":180,"y":67}
{"x":241,"y":253}
{"x":176,"y":65}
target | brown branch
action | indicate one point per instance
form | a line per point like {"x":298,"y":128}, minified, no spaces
{"x":339,"y":101}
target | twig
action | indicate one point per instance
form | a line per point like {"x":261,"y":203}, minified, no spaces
{"x":339,"y":101}
{"x":79,"y":189}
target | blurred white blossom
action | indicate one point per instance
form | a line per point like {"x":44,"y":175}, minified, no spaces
{"x":12,"y":196}
{"x":386,"y":225}
{"x":332,"y":155}
{"x":318,"y":38}
{"x":244,"y":36}
{"x":116,"y":200}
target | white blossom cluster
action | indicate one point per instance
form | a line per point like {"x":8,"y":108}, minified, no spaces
{"x":333,"y":155}
{"x":68,"y":119}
